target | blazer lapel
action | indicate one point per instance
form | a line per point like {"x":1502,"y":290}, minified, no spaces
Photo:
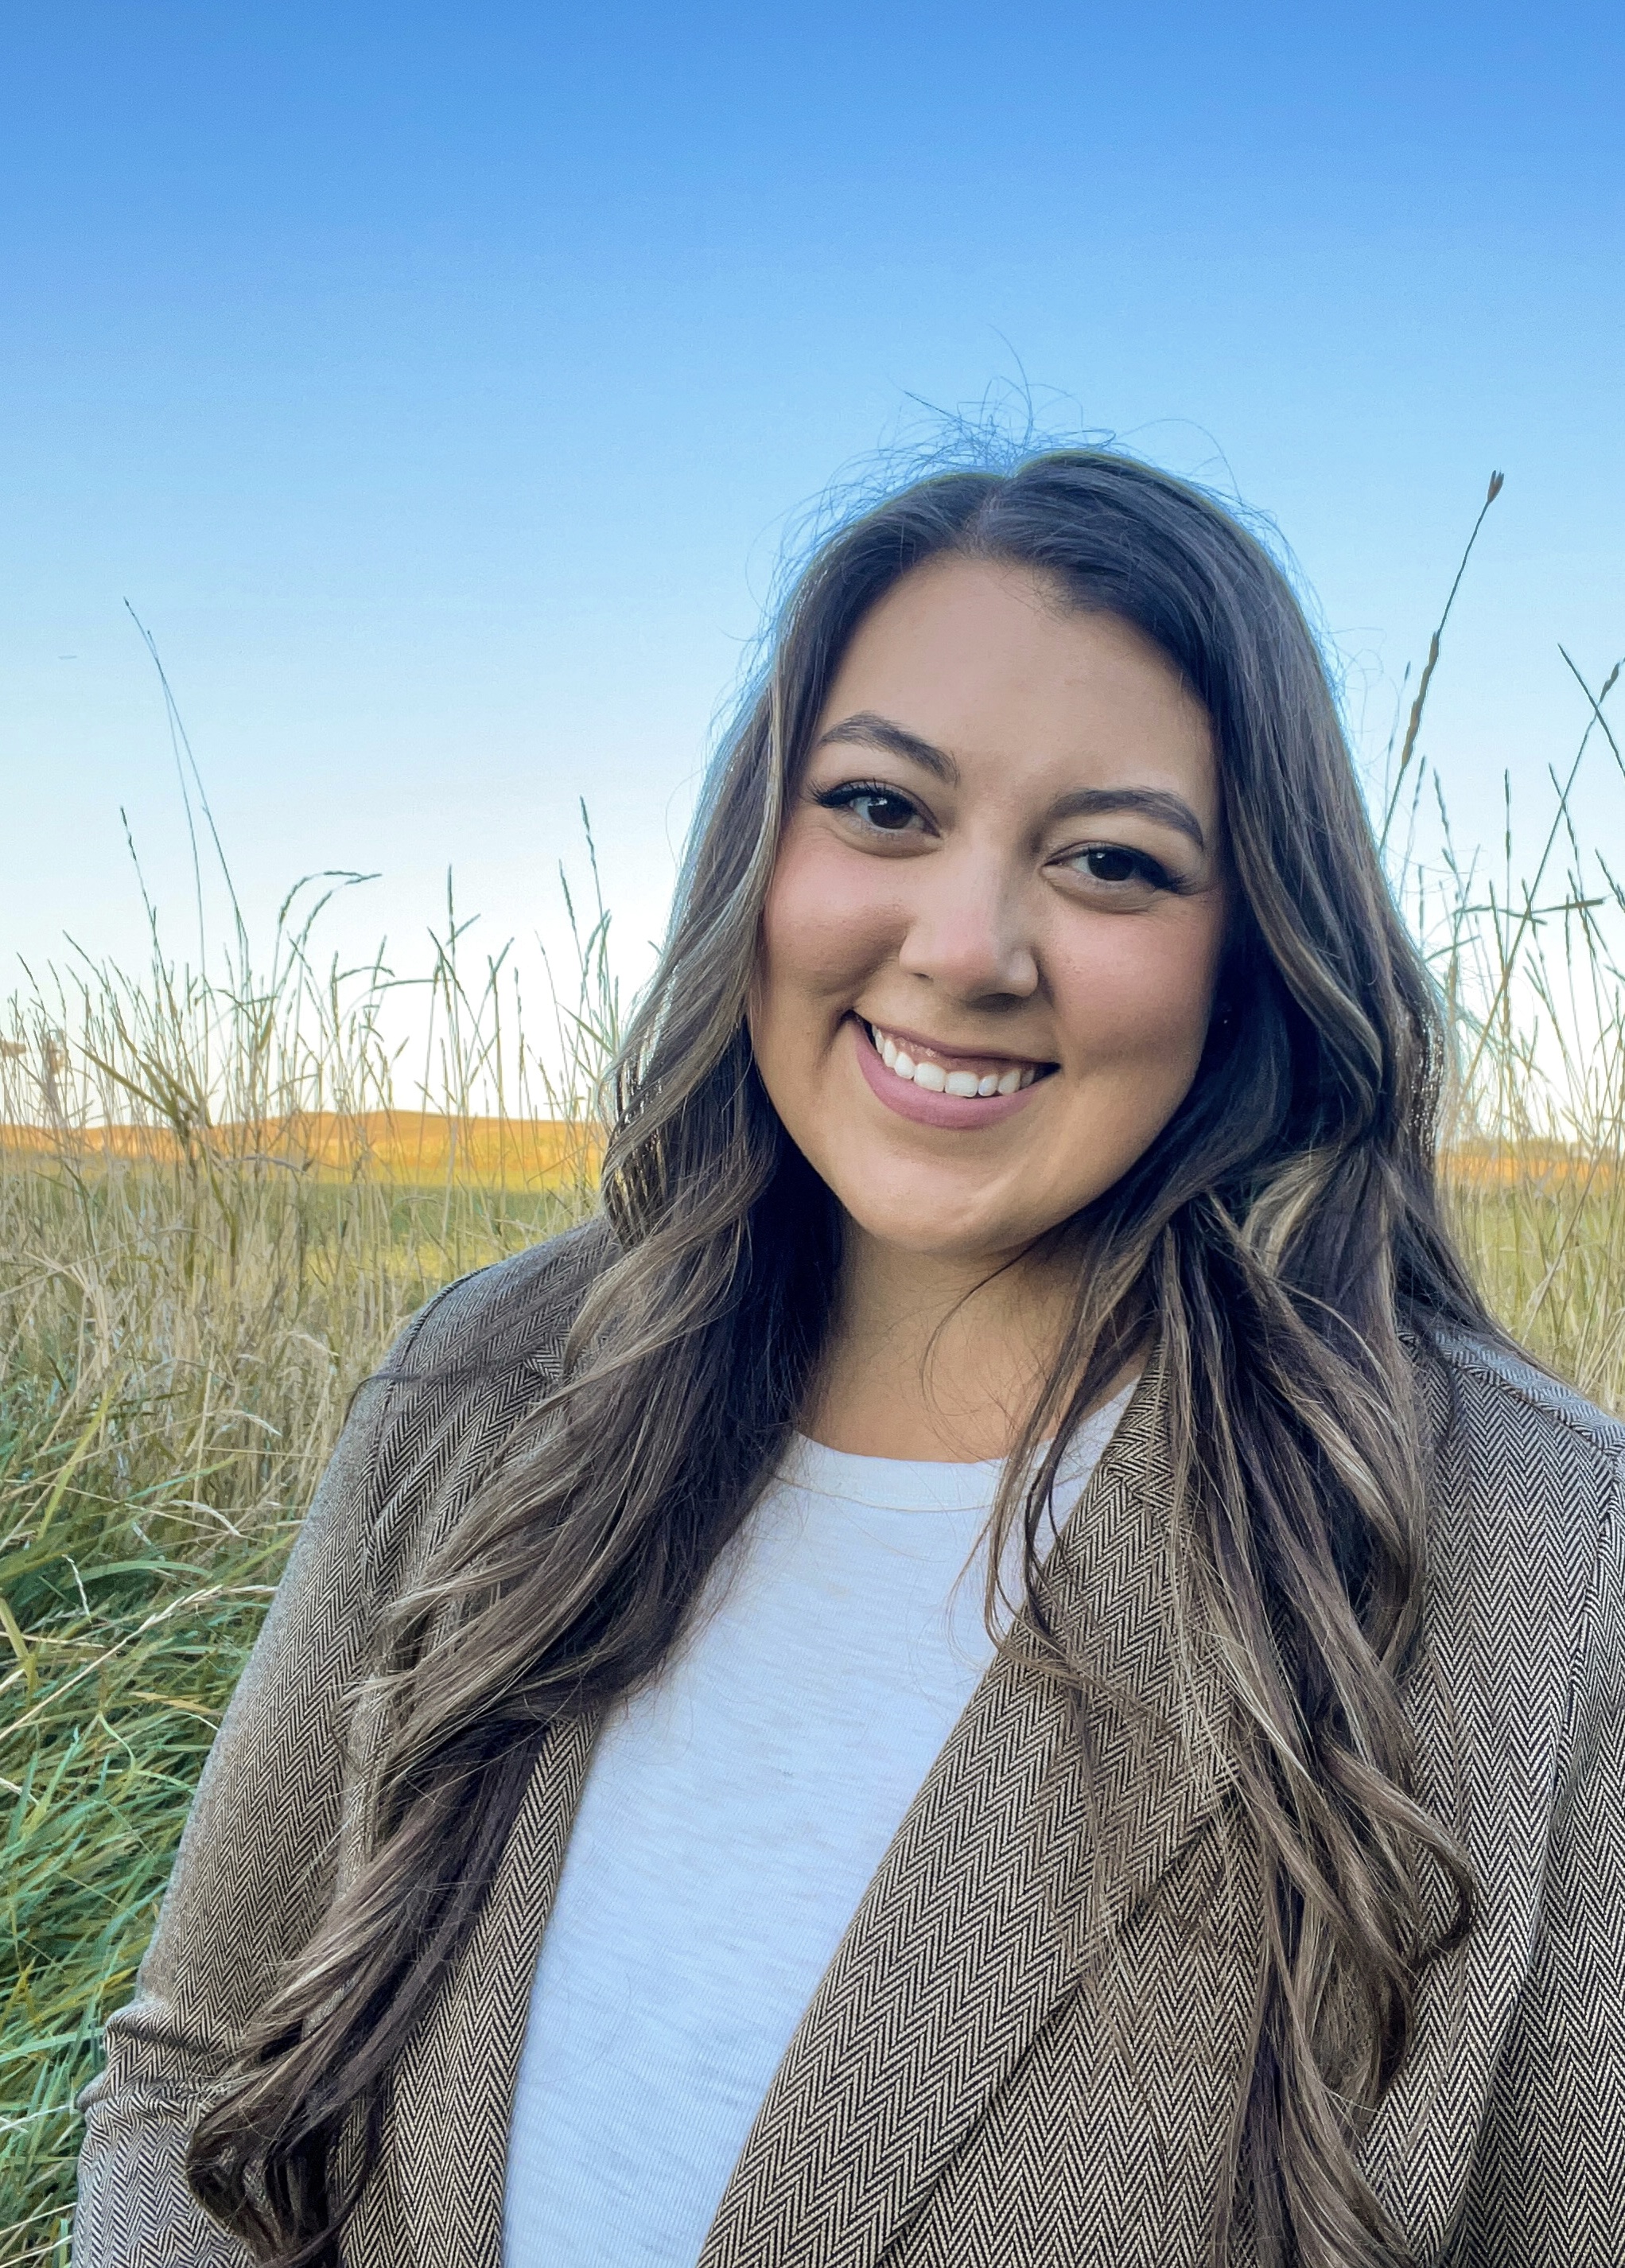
{"x":454,"y":2088}
{"x":995,"y":1899}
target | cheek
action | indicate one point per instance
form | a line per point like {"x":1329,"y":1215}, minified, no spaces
{"x":826,"y":923}
{"x":1141,"y":995}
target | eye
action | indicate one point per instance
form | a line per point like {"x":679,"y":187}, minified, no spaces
{"x":1109,"y":862}
{"x":1113,"y":869}
{"x":873,"y":805}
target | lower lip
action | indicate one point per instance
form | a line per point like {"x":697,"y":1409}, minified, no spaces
{"x":961,"y":1112}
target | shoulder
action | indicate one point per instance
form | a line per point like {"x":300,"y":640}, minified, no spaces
{"x":1500,"y":1389}
{"x":516,"y":1312}
{"x":1522,"y":1458}
{"x":1527,"y":1525}
{"x":461,"y":1379}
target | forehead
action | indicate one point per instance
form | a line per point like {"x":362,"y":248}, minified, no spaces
{"x":991,"y":663}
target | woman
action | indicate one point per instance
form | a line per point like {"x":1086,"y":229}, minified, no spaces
{"x":624,"y":1846}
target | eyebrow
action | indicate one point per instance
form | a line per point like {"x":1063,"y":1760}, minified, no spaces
{"x":866,"y":729}
{"x":1154,"y":802}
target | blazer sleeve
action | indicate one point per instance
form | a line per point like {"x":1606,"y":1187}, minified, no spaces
{"x":1548,"y":2184}
{"x":248,"y":1884}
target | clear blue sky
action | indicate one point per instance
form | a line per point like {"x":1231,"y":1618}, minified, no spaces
{"x":438,"y":382}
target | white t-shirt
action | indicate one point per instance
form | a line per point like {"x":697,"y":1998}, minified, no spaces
{"x":732,"y":1816}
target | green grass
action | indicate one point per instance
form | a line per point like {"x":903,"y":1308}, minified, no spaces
{"x":179,"y":1334}
{"x":149,"y":1481}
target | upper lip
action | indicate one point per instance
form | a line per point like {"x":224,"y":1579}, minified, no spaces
{"x":942,"y":1053}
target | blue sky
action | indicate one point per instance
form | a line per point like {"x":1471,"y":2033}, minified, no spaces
{"x":438,"y":384}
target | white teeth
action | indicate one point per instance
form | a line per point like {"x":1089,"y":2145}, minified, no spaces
{"x":936,"y":1080}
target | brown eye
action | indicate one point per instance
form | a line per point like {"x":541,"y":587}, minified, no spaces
{"x":889,"y":812}
{"x":871,"y":805}
{"x":1107,"y":863}
{"x":1128,"y":876}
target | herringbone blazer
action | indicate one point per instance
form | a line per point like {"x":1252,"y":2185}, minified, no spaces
{"x":1009,"y":2061}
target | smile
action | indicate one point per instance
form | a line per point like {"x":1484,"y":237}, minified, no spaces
{"x":940,"y":1072}
{"x":939,"y":1086}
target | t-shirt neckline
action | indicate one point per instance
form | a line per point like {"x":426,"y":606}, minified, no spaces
{"x":929,"y":1484}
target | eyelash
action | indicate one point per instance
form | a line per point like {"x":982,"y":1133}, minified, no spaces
{"x":850,"y":793}
{"x":1151,"y":871}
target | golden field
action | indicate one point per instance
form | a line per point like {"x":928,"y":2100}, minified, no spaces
{"x":412,"y":1148}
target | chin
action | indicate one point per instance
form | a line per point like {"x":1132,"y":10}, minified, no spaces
{"x":934,"y":1233}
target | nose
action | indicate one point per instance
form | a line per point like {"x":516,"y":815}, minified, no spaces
{"x":969,"y":929}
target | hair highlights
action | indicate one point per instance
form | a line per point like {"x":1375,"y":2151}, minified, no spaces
{"x":1281,"y":1241}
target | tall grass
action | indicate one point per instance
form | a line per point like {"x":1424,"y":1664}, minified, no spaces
{"x":222,"y":1190}
{"x":1527,"y":960}
{"x":220,"y":1195}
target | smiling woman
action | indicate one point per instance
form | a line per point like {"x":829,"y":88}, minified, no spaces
{"x":1002,"y":878}
{"x":999,"y":1667}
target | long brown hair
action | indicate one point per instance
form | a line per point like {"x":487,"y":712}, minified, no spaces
{"x":1280,"y":1240}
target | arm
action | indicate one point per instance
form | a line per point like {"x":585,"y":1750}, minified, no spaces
{"x":253,"y":1875}
{"x":1548,"y":2183}
{"x":248,"y":1885}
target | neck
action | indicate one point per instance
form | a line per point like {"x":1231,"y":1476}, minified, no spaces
{"x":935,"y":1358}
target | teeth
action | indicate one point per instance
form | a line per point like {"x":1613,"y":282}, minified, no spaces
{"x":936,"y":1080}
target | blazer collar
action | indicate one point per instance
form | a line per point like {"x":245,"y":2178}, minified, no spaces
{"x":1000,"y":1893}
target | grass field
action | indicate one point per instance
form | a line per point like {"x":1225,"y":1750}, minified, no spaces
{"x":179,"y":1347}
{"x":186,"y":1305}
{"x":214,"y":1217}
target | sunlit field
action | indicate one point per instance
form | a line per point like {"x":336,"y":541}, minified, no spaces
{"x":220,"y":1195}
{"x":216,"y":1211}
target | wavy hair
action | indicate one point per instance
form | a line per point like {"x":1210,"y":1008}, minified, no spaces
{"x":1281,"y":1243}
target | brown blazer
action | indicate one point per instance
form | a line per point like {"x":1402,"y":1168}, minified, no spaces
{"x":1007,"y":2063}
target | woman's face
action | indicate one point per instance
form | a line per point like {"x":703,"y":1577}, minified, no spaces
{"x":990,"y":942}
